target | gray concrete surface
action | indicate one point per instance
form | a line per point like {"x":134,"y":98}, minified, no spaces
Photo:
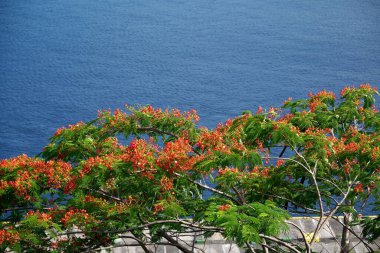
{"x":327,"y":240}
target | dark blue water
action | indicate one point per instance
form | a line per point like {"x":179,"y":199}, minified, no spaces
{"x":62,"y":60}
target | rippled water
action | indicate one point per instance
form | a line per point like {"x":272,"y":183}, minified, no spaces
{"x":61,"y":61}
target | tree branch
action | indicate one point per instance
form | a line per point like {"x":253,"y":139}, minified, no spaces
{"x":240,"y":196}
{"x":307,"y":245}
{"x":105,"y":194}
{"x":140,"y":242}
{"x":252,"y":250}
{"x":313,"y":176}
{"x":211,"y":189}
{"x":276,"y":240}
{"x":174,"y":242}
{"x":187,"y":224}
{"x":354,"y":233}
{"x":332,"y":212}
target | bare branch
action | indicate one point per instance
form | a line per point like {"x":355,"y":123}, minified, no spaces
{"x":313,"y":176}
{"x":271,"y":248}
{"x":332,"y":183}
{"x":332,"y":212}
{"x":354,"y":233}
{"x":240,"y":196}
{"x":252,"y":250}
{"x":141,"y":243}
{"x":307,"y":245}
{"x":276,"y":240}
{"x":175,"y":242}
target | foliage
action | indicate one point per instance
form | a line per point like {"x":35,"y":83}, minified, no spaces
{"x":145,"y":172}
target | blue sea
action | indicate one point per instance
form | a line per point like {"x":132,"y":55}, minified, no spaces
{"x":62,"y":60}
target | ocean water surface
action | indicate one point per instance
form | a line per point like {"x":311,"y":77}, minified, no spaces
{"x":61,"y":61}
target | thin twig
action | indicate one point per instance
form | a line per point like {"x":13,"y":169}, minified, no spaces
{"x":313,"y":176}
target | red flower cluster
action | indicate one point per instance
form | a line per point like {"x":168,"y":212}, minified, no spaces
{"x":368,"y":87}
{"x":260,"y":171}
{"x":224,"y":207}
{"x":218,"y":139}
{"x":39,"y":215}
{"x":375,"y":154}
{"x":319,"y":99}
{"x":347,"y":165}
{"x":70,"y":185}
{"x":94,"y":202}
{"x":119,"y":116}
{"x":175,"y":156}
{"x":120,"y":207}
{"x":280,"y":162}
{"x":70,"y":127}
{"x":322,"y":95}
{"x":166,"y":183}
{"x":8,"y":237}
{"x":212,"y":139}
{"x":228,"y":170}
{"x":159,"y":207}
{"x":358,"y":188}
{"x":286,"y":118}
{"x":346,"y":89}
{"x":273,"y":112}
{"x":141,"y":155}
{"x":314,"y":104}
{"x":50,"y":174}
{"x":259,"y":110}
{"x":158,"y":113}
{"x":288,"y":100}
{"x":80,"y":215}
{"x":364,"y":86}
{"x":105,"y":161}
{"x":351,"y":147}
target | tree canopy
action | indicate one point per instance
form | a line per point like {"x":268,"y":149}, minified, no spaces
{"x":150,"y":172}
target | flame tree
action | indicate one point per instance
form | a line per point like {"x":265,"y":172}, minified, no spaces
{"x":141,"y":174}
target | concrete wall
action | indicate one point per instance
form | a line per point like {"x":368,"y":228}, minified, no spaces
{"x":327,"y":241}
